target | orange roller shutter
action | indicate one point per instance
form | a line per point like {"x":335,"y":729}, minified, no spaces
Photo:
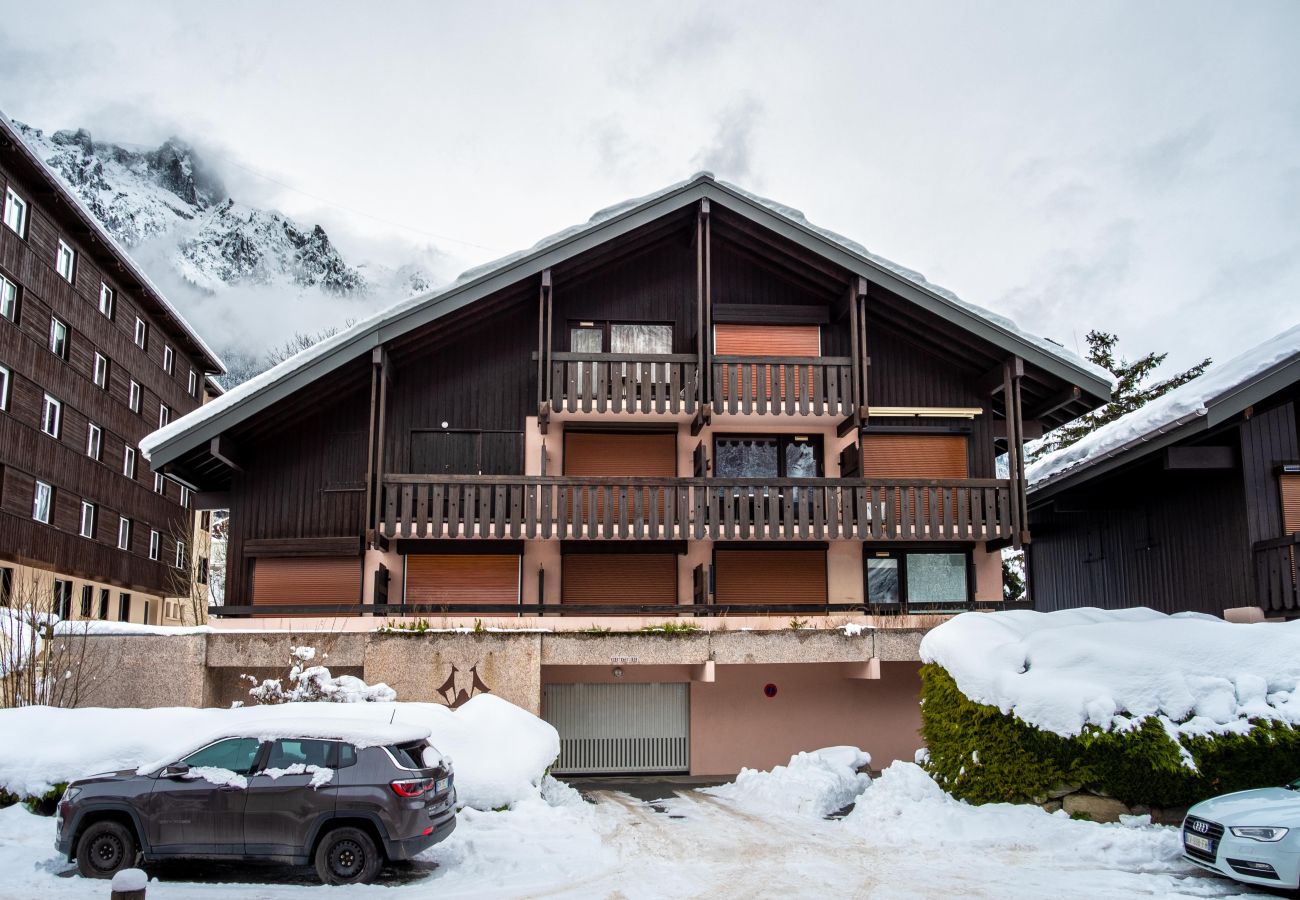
{"x":621,"y":455}
{"x":462,"y":578}
{"x":303,"y":580}
{"x":766,"y":340}
{"x":914,"y":456}
{"x":614,"y":578}
{"x":1290,"y":503}
{"x":769,"y":576}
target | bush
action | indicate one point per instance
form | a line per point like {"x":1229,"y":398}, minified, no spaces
{"x":982,"y":755}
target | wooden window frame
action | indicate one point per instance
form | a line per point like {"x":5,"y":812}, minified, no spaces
{"x":606,"y":336}
{"x":900,"y":554}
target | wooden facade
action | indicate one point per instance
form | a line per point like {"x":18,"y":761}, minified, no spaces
{"x":479,"y":430}
{"x":1199,"y":525}
{"x":169,"y":371}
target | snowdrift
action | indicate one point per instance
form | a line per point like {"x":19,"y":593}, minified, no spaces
{"x":815,"y":783}
{"x":500,"y":752}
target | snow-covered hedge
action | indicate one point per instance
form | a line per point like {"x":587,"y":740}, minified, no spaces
{"x":500,"y":752}
{"x":1148,"y":708}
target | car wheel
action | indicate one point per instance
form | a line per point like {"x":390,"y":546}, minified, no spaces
{"x":104,"y":848}
{"x":348,"y":856}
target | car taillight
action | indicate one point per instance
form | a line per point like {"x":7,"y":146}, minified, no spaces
{"x":412,"y":787}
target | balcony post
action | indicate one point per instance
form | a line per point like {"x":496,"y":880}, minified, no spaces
{"x":384,"y":376}
{"x":544,"y":351}
{"x":1012,"y":372}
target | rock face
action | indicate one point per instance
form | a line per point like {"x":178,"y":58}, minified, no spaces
{"x":169,"y":192}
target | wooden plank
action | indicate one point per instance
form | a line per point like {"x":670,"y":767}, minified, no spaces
{"x":818,"y":512}
{"x":547,"y":492}
{"x":530,"y":511}
{"x":421,"y":510}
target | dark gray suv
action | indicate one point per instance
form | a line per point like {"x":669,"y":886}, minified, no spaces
{"x":343,"y":803}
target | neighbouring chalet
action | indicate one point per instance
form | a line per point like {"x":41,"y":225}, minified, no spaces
{"x":1191,"y":503}
{"x":696,"y":404}
{"x":92,"y":359}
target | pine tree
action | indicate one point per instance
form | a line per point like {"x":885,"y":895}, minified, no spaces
{"x":1130,"y":393}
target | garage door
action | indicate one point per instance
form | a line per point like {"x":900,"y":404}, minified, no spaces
{"x":769,"y":576}
{"x":608,"y":728}
{"x":462,"y":578}
{"x":306,"y":580}
{"x":618,"y":578}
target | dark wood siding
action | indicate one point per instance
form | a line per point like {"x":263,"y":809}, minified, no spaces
{"x":28,"y":455}
{"x":1268,"y":439}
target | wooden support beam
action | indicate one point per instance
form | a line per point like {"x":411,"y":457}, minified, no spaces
{"x":703,"y":415}
{"x":706,"y":366}
{"x":223,"y":450}
{"x":385,"y":377}
{"x":864,"y":362}
{"x":1031,"y":429}
{"x":704,"y":376}
{"x":210,"y":499}
{"x":1064,"y":398}
{"x":546,"y":302}
{"x":372,"y":474}
{"x":1015,"y":446}
{"x":992,"y":381}
{"x":851,"y":423}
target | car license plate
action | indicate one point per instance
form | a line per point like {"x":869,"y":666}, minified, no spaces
{"x":440,"y":785}
{"x":1198,"y":843}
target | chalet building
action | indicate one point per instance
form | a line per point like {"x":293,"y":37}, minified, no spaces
{"x":1191,"y":503}
{"x":92,"y":359}
{"x":696,"y":404}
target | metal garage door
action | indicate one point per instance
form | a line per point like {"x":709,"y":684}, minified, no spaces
{"x":620,"y":727}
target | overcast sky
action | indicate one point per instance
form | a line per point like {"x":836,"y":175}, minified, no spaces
{"x":1133,"y":167}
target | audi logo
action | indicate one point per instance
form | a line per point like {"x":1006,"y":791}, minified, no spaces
{"x":1201,"y":827}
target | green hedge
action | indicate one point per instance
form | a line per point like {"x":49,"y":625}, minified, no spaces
{"x":979,"y":754}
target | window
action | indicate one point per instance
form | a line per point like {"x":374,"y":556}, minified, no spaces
{"x":15,"y":213}
{"x":201,"y":575}
{"x":63,"y":598}
{"x":66,"y":261}
{"x":106,"y":298}
{"x":159,"y":485}
{"x":123,"y":533}
{"x":124,"y":607}
{"x":94,"y":441}
{"x":155,"y":542}
{"x":51,"y":416}
{"x":194,"y":383}
{"x":235,"y":754}
{"x":128,"y":462}
{"x":774,"y":456}
{"x":42,"y":502}
{"x":922,"y":580}
{"x":87,"y":519}
{"x":164,"y":415}
{"x":141,"y":333}
{"x":134,"y":394}
{"x":58,"y":338}
{"x":180,"y":554}
{"x":4,"y":388}
{"x":620,"y":337}
{"x":87,"y":600}
{"x":8,"y":299}
{"x":145,"y":617}
{"x":304,"y":752}
{"x":185,"y":496}
{"x":205,"y":519}
{"x":169,"y":360}
{"x":6,"y":585}
{"x":103,"y":603}
{"x":101,"y":370}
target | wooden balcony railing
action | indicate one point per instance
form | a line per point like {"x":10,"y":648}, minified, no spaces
{"x":783,"y":385}
{"x":624,"y":382}
{"x":577,"y":508}
{"x":1277,"y":583}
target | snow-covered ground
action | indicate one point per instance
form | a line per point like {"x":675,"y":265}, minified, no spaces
{"x":904,"y":838}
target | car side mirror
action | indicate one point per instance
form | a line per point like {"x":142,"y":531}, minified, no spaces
{"x":175,"y":770}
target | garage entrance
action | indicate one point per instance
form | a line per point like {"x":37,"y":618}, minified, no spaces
{"x":620,"y":728}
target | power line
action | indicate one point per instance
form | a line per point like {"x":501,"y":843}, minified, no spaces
{"x":347,"y":209}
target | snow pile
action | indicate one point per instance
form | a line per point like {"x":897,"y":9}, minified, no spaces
{"x":816,"y":783}
{"x":1188,"y":401}
{"x":129,"y":880}
{"x":97,"y":627}
{"x":500,"y":752}
{"x":320,"y":775}
{"x":1063,"y":670}
{"x":218,"y":776}
{"x":907,"y":809}
{"x":315,"y":684}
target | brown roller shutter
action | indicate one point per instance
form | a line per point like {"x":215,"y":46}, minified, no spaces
{"x":914,"y":456}
{"x":767,"y":340}
{"x":769,"y":576}
{"x":617,"y":578}
{"x":462,"y":578}
{"x":624,"y":454}
{"x":1290,"y":484}
{"x":302,"y":580}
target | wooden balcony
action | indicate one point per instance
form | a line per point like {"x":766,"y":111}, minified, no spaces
{"x":474,"y":507}
{"x":783,"y":385}
{"x":624,"y":382}
{"x":1277,"y":585}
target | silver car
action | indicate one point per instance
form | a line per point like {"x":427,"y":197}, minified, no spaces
{"x":1252,"y":836}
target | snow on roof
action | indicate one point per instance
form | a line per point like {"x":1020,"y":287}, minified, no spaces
{"x":1184,"y":403}
{"x":102,"y":234}
{"x":243,"y":392}
{"x":1063,"y":670}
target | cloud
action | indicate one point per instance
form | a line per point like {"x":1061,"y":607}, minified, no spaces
{"x":1169,"y":159}
{"x":730,"y":153}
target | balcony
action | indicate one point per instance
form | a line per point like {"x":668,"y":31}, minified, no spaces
{"x":624,"y":383}
{"x":783,"y":385}
{"x":476,"y":507}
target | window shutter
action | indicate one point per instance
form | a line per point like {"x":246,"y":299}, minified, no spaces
{"x":306,"y":580}
{"x":765,"y":340}
{"x":769,"y":576}
{"x":1290,"y":484}
{"x":620,"y":455}
{"x":462,"y":578}
{"x":914,"y":456}
{"x":618,"y":578}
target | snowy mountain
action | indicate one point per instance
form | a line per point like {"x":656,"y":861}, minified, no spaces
{"x":211,"y":241}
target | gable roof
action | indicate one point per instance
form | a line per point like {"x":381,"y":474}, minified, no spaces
{"x":1223,"y":391}
{"x":149,"y":292}
{"x":260,"y":392}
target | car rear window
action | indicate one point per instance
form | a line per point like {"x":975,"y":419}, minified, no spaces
{"x":301,"y":751}
{"x":410,"y":756}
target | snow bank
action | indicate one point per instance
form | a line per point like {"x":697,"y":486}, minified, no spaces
{"x":812,"y":784}
{"x":1063,"y":670}
{"x":500,"y":752}
{"x":1185,"y":402}
{"x":96,"y":626}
